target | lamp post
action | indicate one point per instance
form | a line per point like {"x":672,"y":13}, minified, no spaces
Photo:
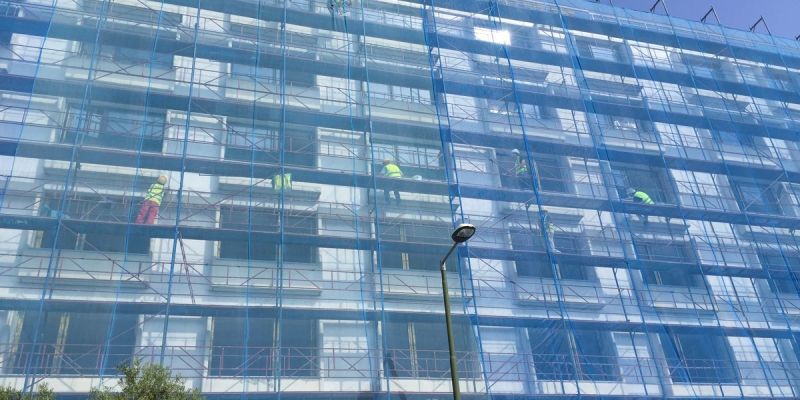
{"x":462,"y":233}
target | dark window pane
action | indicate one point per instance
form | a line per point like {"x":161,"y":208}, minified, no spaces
{"x":596,"y":355}
{"x":681,"y":278}
{"x":242,"y":347}
{"x":552,"y":354}
{"x":536,"y":267}
{"x":299,"y":348}
{"x":695,"y":358}
{"x":74,"y":343}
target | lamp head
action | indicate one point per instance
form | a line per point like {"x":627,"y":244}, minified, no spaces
{"x":463,"y":233}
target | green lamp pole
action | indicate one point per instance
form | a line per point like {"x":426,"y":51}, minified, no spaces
{"x":462,"y":233}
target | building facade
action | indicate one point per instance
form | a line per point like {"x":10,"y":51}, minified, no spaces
{"x":635,"y":181}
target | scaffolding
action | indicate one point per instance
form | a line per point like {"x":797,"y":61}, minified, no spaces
{"x":276,"y":269}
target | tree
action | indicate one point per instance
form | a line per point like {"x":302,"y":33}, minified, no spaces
{"x":147,"y":382}
{"x":43,"y":392}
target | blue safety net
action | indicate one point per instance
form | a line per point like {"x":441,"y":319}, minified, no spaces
{"x":259,"y":194}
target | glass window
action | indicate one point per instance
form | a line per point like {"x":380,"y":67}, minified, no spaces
{"x":673,"y":278}
{"x":597,"y":355}
{"x":420,"y":350}
{"x":299,"y":347}
{"x":756,"y":197}
{"x":551,"y":173}
{"x":552,"y":39}
{"x":242,"y":347}
{"x":246,"y":347}
{"x":654,"y":56}
{"x":784,"y":270}
{"x":75,"y":343}
{"x":267,"y":220}
{"x":563,"y":355}
{"x":666,"y":251}
{"x":523,"y":237}
{"x":575,"y":272}
{"x":245,"y":137}
{"x":410,"y":232}
{"x":264,"y":144}
{"x":198,"y":70}
{"x":597,"y":50}
{"x":698,"y":358}
{"x":90,"y":207}
{"x":535,"y":267}
{"x":115,"y":128}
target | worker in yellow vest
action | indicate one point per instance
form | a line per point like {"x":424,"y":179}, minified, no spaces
{"x":640,"y":197}
{"x":551,"y":231}
{"x":391,"y":170}
{"x":152,"y":202}
{"x":521,"y":171}
{"x":282,"y":182}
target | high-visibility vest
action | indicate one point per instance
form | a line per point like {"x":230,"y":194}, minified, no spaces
{"x":285,"y":183}
{"x":643,"y":197}
{"x":155,"y":193}
{"x":521,"y":167}
{"x":392,"y":171}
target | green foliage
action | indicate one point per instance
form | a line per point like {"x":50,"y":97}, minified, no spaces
{"x":43,"y":392}
{"x":146,"y":382}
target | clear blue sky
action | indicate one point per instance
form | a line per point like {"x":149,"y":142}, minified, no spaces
{"x":782,"y":15}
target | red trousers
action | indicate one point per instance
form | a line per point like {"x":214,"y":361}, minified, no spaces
{"x":147,"y":213}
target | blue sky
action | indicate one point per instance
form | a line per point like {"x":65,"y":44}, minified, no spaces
{"x":781,"y":15}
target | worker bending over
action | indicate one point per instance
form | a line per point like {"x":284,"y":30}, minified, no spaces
{"x":391,"y":170}
{"x":641,"y":197}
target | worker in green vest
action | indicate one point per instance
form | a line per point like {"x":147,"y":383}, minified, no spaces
{"x":391,"y":170}
{"x":282,"y":181}
{"x":521,"y":171}
{"x":551,"y":231}
{"x":640,"y":197}
{"x":152,"y":202}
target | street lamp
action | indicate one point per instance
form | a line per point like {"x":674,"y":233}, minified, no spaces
{"x":462,"y":233}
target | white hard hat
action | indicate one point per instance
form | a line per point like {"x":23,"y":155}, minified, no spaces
{"x":515,"y":151}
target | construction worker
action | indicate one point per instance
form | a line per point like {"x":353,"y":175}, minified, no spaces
{"x":152,"y":201}
{"x":338,"y":6}
{"x":640,"y":197}
{"x":391,"y":170}
{"x":521,"y":171}
{"x":551,"y":231}
{"x":282,"y":181}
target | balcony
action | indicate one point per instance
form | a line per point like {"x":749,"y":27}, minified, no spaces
{"x":85,"y":267}
{"x":239,"y":275}
{"x":677,"y":298}
{"x":574,"y":293}
{"x":419,"y":284}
